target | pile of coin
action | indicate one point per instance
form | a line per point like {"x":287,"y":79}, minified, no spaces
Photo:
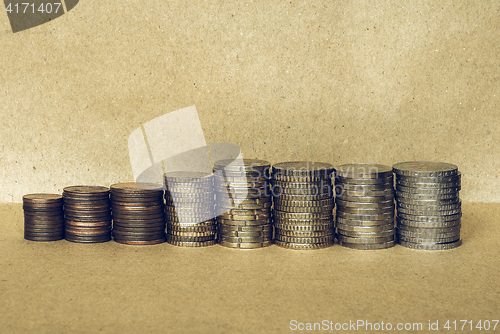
{"x":243,"y":203}
{"x":428,"y":205}
{"x":43,"y":217}
{"x":303,"y":204}
{"x":87,"y":214}
{"x":138,"y":213}
{"x":365,"y":206}
{"x":189,"y":209}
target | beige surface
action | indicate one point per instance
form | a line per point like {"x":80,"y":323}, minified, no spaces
{"x":334,"y":81}
{"x":62,"y":287}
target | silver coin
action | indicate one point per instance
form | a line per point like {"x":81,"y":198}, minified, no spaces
{"x":253,"y":228}
{"x":421,"y":185}
{"x":362,"y":205}
{"x":365,"y":217}
{"x":383,"y":245}
{"x":299,"y":246}
{"x":248,"y":245}
{"x":305,"y":240}
{"x":429,"y":213}
{"x":301,"y":215}
{"x":427,"y":235}
{"x":427,"y":224}
{"x":365,"y":229}
{"x":304,"y":209}
{"x":374,"y":240}
{"x":428,"y":218}
{"x":367,"y":211}
{"x":424,"y":179}
{"x":412,"y":196}
{"x":430,"y":246}
{"x":320,"y":203}
{"x":429,"y":207}
{"x":428,"y":240}
{"x":355,"y":234}
{"x":304,"y":234}
{"x":426,"y":230}
{"x":231,"y":239}
{"x":316,"y":228}
{"x":425,"y":169}
{"x":427,"y":191}
{"x":365,"y":199}
{"x":255,"y":222}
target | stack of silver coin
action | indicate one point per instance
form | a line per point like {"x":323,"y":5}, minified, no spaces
{"x":303,"y":204}
{"x":189,"y":209}
{"x":365,"y":206}
{"x":138,"y":213}
{"x":428,"y":205}
{"x":243,"y":203}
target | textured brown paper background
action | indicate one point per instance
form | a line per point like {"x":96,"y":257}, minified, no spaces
{"x":334,"y":81}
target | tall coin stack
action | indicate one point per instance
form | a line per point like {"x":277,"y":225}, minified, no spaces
{"x":365,"y":206}
{"x":43,"y":217}
{"x":189,"y":209}
{"x":87,"y":215}
{"x":303,"y":205}
{"x":428,"y":205}
{"x":138,"y":213}
{"x":243,"y":203}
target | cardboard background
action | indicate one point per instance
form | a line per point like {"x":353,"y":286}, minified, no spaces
{"x":339,"y":82}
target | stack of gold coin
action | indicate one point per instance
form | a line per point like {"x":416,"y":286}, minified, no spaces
{"x":303,"y":204}
{"x":87,"y":214}
{"x":189,"y":209}
{"x":43,"y":217}
{"x":138,"y":213}
{"x":428,"y":205}
{"x":365,"y":206}
{"x":243,"y":203}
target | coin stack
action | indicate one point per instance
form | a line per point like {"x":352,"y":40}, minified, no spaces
{"x":189,"y":209}
{"x":243,"y":203}
{"x":87,"y":215}
{"x":138,"y":213}
{"x":303,"y":204}
{"x":43,"y":217}
{"x":365,"y":206}
{"x":428,"y":205}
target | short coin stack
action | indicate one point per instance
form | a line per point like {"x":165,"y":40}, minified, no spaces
{"x":303,"y":205}
{"x":43,"y":217}
{"x":243,"y":203}
{"x":365,"y":206}
{"x":189,"y":209}
{"x":428,"y":205}
{"x":138,"y":213}
{"x":87,"y":214}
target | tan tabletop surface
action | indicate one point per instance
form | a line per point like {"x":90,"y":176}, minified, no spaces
{"x":63,"y":287}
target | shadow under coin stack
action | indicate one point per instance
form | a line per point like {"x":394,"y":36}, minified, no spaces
{"x":365,"y":206}
{"x":189,"y":209}
{"x":43,"y":217}
{"x":243,"y":203}
{"x":428,"y":205}
{"x":87,"y":215}
{"x":303,"y":205}
{"x":138,"y":213}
